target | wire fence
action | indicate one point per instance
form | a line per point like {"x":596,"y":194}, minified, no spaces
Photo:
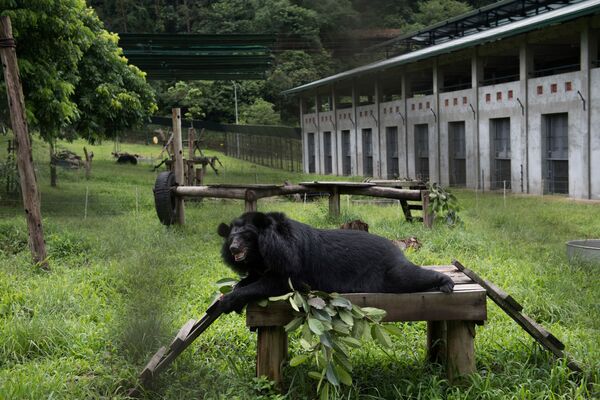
{"x":274,"y":152}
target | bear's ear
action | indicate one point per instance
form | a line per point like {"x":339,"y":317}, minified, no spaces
{"x":223,"y":230}
{"x":260,"y":220}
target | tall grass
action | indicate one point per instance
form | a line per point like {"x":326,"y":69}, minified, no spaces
{"x":121,"y":285}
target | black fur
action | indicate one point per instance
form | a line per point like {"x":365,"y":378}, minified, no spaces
{"x":274,"y":248}
{"x":127,"y":158}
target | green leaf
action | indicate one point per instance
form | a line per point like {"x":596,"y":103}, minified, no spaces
{"x":263,"y":302}
{"x":306,"y":345}
{"x":299,"y":359}
{"x":321,"y":315}
{"x":331,"y":375}
{"x":394,"y":330}
{"x":282,"y":297}
{"x":376,"y":314}
{"x":316,"y":326}
{"x":343,"y":361}
{"x":350,"y":341}
{"x":306,"y":333}
{"x":326,"y":340}
{"x":315,"y":375}
{"x":342,"y":303}
{"x":340,"y":327}
{"x":347,"y":317}
{"x":343,"y":375}
{"x":358,"y":329}
{"x":324,"y":392}
{"x":294,"y":324}
{"x":293,"y":303}
{"x":317,"y":302}
{"x":225,"y":289}
{"x":381,"y":336}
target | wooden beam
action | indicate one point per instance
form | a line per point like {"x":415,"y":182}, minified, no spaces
{"x":16,"y":103}
{"x":460,"y":354}
{"x":425,"y":306}
{"x":271,"y":352}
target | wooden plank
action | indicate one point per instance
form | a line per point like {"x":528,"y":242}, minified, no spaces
{"x":504,"y":296}
{"x":148,"y":371}
{"x":16,"y":103}
{"x":536,"y":331}
{"x":338,"y":183}
{"x":424,"y":306}
{"x":428,"y":217}
{"x":460,"y":354}
{"x":334,"y":202}
{"x":406,"y":210}
{"x":182,"y":335}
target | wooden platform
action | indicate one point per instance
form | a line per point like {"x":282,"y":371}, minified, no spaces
{"x":450,"y":330}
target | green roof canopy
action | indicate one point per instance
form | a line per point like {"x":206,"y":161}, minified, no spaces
{"x":196,"y":57}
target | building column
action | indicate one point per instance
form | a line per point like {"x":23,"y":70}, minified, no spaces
{"x":589,"y":53}
{"x":379,"y":159}
{"x":318,"y":137}
{"x":525,"y":67}
{"x":356,"y":147}
{"x":303,"y":129}
{"x":405,"y":150}
{"x":476,"y":76}
{"x":335,"y":137}
{"x":435,"y":173}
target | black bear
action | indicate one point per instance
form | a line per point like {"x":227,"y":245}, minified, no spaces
{"x":127,"y":158}
{"x":268,"y":249}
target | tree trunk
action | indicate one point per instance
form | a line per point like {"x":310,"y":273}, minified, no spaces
{"x":29,"y":189}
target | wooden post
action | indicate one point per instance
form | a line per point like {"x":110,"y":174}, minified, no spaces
{"x":271,"y":352}
{"x":250,"y":201}
{"x":461,"y":349}
{"x":16,"y":102}
{"x":178,"y":164}
{"x":191,"y":148}
{"x":88,"y":162}
{"x":436,"y":341}
{"x":427,"y":216}
{"x":334,"y":202}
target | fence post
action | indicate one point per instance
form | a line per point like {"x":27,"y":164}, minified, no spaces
{"x":16,"y":103}
{"x":178,"y":164}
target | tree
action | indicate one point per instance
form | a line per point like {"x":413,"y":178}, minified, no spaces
{"x":73,"y":74}
{"x":261,"y":112}
{"x":433,"y":11}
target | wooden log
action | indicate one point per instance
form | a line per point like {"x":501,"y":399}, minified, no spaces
{"x":436,"y":342}
{"x":381,"y":191}
{"x":425,"y":306}
{"x":52,"y":164}
{"x":406,"y":210}
{"x":88,"y":162}
{"x":178,"y":164}
{"x":460,"y":354}
{"x":271,"y":352}
{"x":334,"y":202}
{"x":27,"y":178}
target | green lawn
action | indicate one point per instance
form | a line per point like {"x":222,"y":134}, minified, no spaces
{"x":121,"y":285}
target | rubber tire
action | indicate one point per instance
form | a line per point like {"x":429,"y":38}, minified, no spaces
{"x":164,"y":198}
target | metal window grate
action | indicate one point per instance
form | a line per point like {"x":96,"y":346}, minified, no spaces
{"x":311,"y":153}
{"x":327,"y":151}
{"x":422,"y":152}
{"x":556,"y":147}
{"x":501,"y":164}
{"x":393,"y":166}
{"x":367,"y":149}
{"x":346,"y":157}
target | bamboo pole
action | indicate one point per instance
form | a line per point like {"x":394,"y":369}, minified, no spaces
{"x":29,"y":189}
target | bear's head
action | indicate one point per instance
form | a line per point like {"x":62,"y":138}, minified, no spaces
{"x":241,"y":247}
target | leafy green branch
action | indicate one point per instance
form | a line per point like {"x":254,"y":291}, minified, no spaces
{"x":444,"y":205}
{"x":330,"y":325}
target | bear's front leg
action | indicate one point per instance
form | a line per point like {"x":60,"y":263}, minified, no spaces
{"x":266,"y":286}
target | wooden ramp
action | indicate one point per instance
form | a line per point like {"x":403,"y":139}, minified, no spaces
{"x":514,"y":310}
{"x":165,"y":355}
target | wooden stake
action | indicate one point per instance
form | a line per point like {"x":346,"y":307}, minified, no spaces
{"x":29,"y":189}
{"x":178,"y":164}
{"x":88,"y":163}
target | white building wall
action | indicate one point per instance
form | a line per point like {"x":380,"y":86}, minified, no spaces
{"x":391,"y":113}
{"x":419,"y":112}
{"x":558,"y":94}
{"x":367,"y":119}
{"x":309,"y":125}
{"x":456,"y":107}
{"x":502,"y":101}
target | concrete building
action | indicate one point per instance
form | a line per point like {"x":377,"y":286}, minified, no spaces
{"x":505,"y":95}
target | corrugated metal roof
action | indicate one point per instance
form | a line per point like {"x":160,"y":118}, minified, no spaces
{"x":516,"y":28}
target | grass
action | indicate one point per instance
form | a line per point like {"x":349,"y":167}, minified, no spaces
{"x":121,"y":285}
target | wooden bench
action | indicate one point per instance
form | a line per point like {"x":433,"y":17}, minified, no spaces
{"x":451,"y":320}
